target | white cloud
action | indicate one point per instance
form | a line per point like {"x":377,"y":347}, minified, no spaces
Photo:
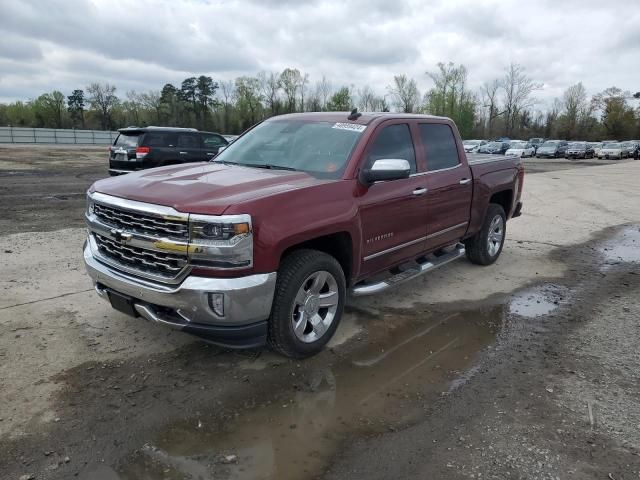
{"x":141,"y":45}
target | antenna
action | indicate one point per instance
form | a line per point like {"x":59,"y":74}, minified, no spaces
{"x":354,"y":114}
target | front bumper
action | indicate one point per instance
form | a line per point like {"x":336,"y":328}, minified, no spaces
{"x":186,"y":307}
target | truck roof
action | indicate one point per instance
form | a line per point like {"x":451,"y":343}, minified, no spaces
{"x":365,"y":118}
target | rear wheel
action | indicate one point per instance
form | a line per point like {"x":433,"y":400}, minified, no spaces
{"x":308,"y":303}
{"x":485,"y":247}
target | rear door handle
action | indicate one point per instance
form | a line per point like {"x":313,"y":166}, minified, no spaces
{"x":465,"y":181}
{"x":210,"y":153}
{"x":183,"y":153}
{"x":420,"y":191}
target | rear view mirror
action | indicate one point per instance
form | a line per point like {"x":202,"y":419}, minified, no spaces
{"x":386,"y":169}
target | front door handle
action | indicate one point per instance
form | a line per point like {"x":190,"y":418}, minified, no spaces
{"x":183,"y":153}
{"x":210,"y":153}
{"x":465,"y":181}
{"x":420,"y":191}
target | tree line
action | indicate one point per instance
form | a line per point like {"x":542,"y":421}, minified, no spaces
{"x":505,"y":106}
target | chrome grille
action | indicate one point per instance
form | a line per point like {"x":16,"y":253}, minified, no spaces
{"x":168,"y":265}
{"x":140,"y":222}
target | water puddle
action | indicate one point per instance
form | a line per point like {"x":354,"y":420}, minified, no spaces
{"x":537,"y":301}
{"x":408,"y":360}
{"x":623,"y":246}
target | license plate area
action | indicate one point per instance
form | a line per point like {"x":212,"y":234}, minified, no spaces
{"x":122,"y":303}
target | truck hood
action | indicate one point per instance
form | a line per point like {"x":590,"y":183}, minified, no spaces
{"x":206,"y":188}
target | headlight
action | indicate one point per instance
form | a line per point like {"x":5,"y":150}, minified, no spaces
{"x":224,"y":241}
{"x":89,"y":205}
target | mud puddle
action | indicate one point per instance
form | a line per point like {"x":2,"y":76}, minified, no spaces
{"x":384,"y":385}
{"x":538,"y":301}
{"x":623,"y":247}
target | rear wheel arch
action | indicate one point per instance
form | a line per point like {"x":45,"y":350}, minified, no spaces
{"x":504,"y":198}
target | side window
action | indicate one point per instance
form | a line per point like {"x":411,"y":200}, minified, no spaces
{"x":394,"y":141}
{"x":440,"y":146}
{"x":188,"y":140}
{"x":213,"y":141}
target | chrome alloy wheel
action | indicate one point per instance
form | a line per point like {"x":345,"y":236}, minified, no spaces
{"x":496,"y":234}
{"x":315,"y":306}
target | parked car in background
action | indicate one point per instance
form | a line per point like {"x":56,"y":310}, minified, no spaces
{"x":139,"y":148}
{"x":494,"y":148}
{"x":628,"y":149}
{"x":596,"y":147}
{"x":552,"y":149}
{"x":636,"y":149}
{"x":612,"y":150}
{"x":209,"y":249}
{"x":579,"y":150}
{"x":520,"y":148}
{"x":471,"y":146}
{"x":536,"y":142}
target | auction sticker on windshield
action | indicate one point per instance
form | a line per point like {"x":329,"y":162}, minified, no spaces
{"x":350,"y":126}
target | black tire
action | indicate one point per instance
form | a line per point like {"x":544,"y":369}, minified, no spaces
{"x":295,"y":268}
{"x":478,"y":247}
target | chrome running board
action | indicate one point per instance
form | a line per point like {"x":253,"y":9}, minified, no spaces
{"x":421,"y":267}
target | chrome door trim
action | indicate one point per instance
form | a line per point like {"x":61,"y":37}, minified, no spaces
{"x":393,"y":249}
{"x":440,"y":232}
{"x":429,"y":172}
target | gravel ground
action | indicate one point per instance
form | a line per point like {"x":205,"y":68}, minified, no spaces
{"x":525,"y":369}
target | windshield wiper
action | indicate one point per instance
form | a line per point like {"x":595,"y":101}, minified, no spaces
{"x":269,"y":166}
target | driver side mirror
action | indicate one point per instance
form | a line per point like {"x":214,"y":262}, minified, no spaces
{"x":386,"y":169}
{"x":220,"y":149}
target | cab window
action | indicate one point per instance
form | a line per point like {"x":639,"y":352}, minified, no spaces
{"x":439,"y":145}
{"x":394,"y":141}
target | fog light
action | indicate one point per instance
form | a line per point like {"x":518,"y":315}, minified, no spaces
{"x":216,"y":302}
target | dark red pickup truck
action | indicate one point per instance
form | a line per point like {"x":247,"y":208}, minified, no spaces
{"x":262,"y":244}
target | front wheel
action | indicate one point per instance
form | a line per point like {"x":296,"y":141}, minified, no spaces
{"x":485,"y":247}
{"x":308,"y":303}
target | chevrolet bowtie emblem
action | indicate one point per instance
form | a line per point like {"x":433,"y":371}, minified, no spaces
{"x":121,"y":236}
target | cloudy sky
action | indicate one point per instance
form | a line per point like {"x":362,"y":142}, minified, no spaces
{"x":143,"y":44}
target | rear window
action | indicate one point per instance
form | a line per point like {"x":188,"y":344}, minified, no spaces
{"x":127,"y":141}
{"x":440,"y":146}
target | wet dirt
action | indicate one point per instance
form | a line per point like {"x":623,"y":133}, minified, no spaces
{"x":382,"y":385}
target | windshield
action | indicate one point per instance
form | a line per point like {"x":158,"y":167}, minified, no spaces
{"x":518,"y":145}
{"x":321,"y":148}
{"x":472,"y":142}
{"x":494,"y":145}
{"x":612,"y":145}
{"x":550,"y":143}
{"x":578,"y":145}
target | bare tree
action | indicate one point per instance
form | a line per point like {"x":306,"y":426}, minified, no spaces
{"x":324,"y":90}
{"x":367,"y":100}
{"x":103,"y":99}
{"x":152,"y":101}
{"x":227,"y":89}
{"x":302,"y":86}
{"x":270,"y":89}
{"x":405,"y":93}
{"x":290,"y":79}
{"x":517,"y":88}
{"x":489,"y":92}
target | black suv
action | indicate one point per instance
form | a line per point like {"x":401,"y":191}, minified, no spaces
{"x":147,"y":147}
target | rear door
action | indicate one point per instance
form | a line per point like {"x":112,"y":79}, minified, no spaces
{"x":449,"y":183}
{"x":393,"y":212}
{"x":211,"y":143}
{"x":189,"y":147}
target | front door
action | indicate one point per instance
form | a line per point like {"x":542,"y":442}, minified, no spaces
{"x":449,"y":184}
{"x":393,"y":212}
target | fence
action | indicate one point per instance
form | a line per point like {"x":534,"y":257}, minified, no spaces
{"x":56,"y":135}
